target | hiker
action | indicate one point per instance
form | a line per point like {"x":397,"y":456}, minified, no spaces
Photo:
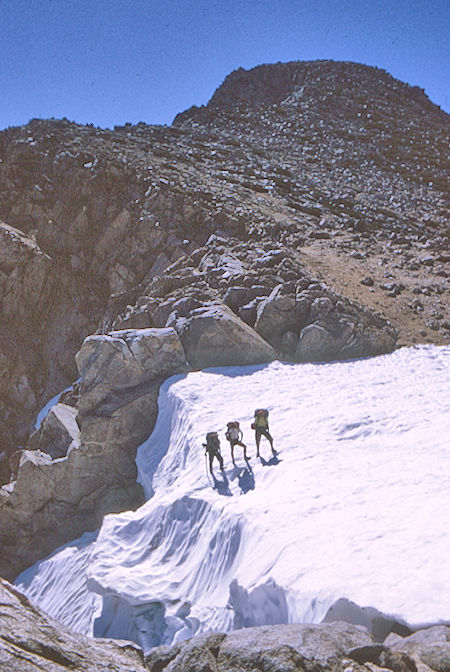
{"x":234,"y":435}
{"x":212,"y":448}
{"x":261,"y":427}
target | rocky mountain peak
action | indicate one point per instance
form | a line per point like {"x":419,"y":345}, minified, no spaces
{"x":338,"y":84}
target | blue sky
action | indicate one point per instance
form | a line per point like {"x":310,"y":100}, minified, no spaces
{"x":112,"y":61}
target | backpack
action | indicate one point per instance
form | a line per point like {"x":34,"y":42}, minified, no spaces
{"x":212,"y":441}
{"x":261,"y":418}
{"x":230,"y":434}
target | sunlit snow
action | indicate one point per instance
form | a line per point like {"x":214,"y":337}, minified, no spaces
{"x":356,"y":505}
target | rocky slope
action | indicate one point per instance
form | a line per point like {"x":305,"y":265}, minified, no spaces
{"x":300,"y":214}
{"x":31,"y":641}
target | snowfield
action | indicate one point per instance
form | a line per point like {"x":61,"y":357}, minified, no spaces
{"x":355,"y":505}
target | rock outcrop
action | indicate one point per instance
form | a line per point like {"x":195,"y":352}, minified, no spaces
{"x":55,"y":500}
{"x":30,"y":641}
{"x":39,"y":331}
{"x":120,"y":377}
{"x":59,"y":432}
{"x":289,"y":648}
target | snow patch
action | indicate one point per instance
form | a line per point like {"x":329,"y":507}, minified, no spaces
{"x":354,"y":506}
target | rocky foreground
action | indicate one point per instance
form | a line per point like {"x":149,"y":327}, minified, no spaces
{"x":30,"y":642}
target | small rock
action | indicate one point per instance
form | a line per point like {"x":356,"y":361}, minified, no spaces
{"x":368,"y":281}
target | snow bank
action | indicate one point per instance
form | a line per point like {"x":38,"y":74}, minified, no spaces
{"x":355,"y":506}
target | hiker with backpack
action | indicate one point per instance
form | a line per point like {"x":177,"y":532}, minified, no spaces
{"x":261,"y":426}
{"x":212,"y":449}
{"x":234,"y":436}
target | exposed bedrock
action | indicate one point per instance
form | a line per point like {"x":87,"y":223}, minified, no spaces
{"x":31,"y":641}
{"x":37,"y":332}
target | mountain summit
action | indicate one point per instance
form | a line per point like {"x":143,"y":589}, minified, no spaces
{"x":326,"y":81}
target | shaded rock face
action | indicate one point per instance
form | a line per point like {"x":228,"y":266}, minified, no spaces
{"x":429,"y":648}
{"x":30,"y":641}
{"x":35,"y":330}
{"x":281,"y":648}
{"x":59,"y":432}
{"x":55,"y":500}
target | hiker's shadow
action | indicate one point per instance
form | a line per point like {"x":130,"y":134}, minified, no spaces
{"x":274,"y":460}
{"x":246,"y":479}
{"x":221,"y":485}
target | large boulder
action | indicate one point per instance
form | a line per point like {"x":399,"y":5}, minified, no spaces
{"x":120,"y":377}
{"x":31,"y":641}
{"x":429,"y":648}
{"x":280,"y":648}
{"x":277,"y":315}
{"x":214,"y":336}
{"x":335,"y":328}
{"x":315,"y":344}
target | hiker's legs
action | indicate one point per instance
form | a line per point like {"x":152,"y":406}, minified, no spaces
{"x":258,"y":441}
{"x":240,"y":443}
{"x":268,"y":437}
{"x":220,"y":458}
{"x":258,"y":434}
{"x":211,"y":457}
{"x":270,"y":440}
{"x":232,"y":450}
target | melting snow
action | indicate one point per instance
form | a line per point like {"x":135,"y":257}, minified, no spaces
{"x":355,"y":505}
